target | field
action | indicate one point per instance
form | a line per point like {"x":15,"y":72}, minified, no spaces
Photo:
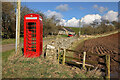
{"x":102,"y":45}
{"x":75,"y":29}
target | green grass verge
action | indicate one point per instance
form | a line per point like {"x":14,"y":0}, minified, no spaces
{"x":10,"y":41}
{"x":6,"y":54}
{"x":107,"y":34}
{"x":64,"y":35}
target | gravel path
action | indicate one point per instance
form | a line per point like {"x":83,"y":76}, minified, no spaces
{"x":8,"y":47}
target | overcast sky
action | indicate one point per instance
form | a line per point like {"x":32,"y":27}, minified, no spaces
{"x":70,"y":12}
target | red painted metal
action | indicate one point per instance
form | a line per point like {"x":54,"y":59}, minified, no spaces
{"x":70,"y":35}
{"x":33,"y":35}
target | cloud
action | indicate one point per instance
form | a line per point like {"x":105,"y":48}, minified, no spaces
{"x":63,"y":7}
{"x":88,"y":19}
{"x":110,"y":16}
{"x":100,"y":9}
{"x":72,"y":22}
{"x":50,"y":13}
{"x":62,"y":22}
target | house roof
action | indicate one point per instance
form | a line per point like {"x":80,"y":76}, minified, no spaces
{"x":62,"y":29}
{"x":69,"y":29}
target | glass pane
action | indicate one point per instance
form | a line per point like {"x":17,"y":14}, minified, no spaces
{"x":31,"y":36}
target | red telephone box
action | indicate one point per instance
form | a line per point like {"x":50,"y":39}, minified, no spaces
{"x":33,"y":35}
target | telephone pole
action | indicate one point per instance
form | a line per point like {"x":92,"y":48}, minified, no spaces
{"x":79,"y":26}
{"x":18,"y":27}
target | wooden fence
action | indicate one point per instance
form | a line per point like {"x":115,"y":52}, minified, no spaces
{"x":105,"y":57}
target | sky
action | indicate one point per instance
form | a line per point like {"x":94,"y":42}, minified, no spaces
{"x":70,"y":12}
{"x":62,"y":0}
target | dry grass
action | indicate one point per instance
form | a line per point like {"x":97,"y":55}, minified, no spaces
{"x":19,"y":67}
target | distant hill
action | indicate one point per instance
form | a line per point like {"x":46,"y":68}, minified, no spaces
{"x":76,"y":29}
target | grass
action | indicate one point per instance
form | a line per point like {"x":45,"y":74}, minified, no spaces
{"x":107,"y":34}
{"x":75,"y":29}
{"x":64,"y":35}
{"x":10,"y":41}
{"x":6,"y":54}
{"x":16,"y":66}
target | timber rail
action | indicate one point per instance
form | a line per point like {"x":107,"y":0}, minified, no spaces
{"x":61,"y":53}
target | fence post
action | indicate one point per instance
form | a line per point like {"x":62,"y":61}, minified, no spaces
{"x":45,"y":52}
{"x":58,"y":54}
{"x":79,"y":56}
{"x":84,"y":55}
{"x":107,"y":59}
{"x":63,"y":60}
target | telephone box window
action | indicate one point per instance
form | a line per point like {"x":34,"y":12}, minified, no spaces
{"x":31,"y":30}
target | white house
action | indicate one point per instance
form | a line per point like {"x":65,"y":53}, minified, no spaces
{"x":66,"y":31}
